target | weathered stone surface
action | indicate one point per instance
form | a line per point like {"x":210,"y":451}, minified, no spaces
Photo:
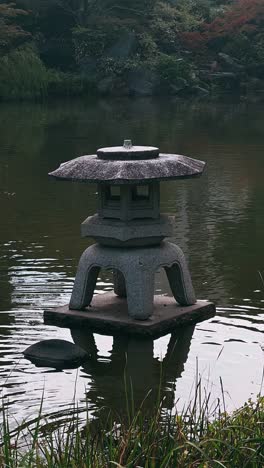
{"x":229,"y":81}
{"x":142,"y":82}
{"x":128,"y":204}
{"x":120,"y":153}
{"x":179,"y":85}
{"x":108,"y":315}
{"x":94,"y":170}
{"x":136,"y":233}
{"x":199,"y":91}
{"x":256,"y":69}
{"x":135,"y":267}
{"x":119,"y":284}
{"x":106,"y":85}
{"x":138,"y":266}
{"x":230,"y":63}
{"x":59,"y":354}
{"x":121,"y":48}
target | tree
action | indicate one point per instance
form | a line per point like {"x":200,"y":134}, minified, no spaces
{"x":244,"y":16}
{"x":241,"y":17}
{"x":11,"y":33}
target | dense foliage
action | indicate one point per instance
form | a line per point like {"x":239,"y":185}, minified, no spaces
{"x":120,"y":47}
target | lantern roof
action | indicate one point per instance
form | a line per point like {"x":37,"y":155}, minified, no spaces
{"x":129,"y":165}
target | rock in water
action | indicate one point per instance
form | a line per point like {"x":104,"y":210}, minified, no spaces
{"x":59,"y":354}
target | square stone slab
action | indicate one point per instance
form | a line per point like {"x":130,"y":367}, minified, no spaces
{"x":108,"y":315}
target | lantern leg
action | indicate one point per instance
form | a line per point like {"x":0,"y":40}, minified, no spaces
{"x":140,"y":293}
{"x":119,"y":283}
{"x":134,"y":273}
{"x":85,"y":282}
{"x":180,"y":283}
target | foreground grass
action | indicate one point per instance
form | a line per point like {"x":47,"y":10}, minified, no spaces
{"x":191,"y":439}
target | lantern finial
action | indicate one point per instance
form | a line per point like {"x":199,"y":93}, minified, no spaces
{"x":127,"y":144}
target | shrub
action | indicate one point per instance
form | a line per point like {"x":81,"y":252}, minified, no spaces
{"x":68,"y":84}
{"x":171,"y":69}
{"x":22,"y":75}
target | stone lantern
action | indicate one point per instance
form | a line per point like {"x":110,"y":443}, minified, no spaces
{"x":129,"y":230}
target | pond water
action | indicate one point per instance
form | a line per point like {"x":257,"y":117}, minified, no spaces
{"x":220,"y":226}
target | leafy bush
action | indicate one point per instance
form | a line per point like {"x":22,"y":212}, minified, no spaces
{"x":147,"y":48}
{"x":171,"y":69}
{"x":97,"y":38}
{"x":68,"y":84}
{"x":22,"y":75}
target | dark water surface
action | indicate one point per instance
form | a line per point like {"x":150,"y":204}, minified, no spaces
{"x":220,"y":226}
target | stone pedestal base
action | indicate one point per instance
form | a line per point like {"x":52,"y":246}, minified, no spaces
{"x":108,"y":315}
{"x":134,"y":275}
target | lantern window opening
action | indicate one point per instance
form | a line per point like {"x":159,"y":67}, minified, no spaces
{"x":140,"y":193}
{"x":113,"y":193}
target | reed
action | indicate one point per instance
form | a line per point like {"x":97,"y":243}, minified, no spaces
{"x":202,"y":435}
